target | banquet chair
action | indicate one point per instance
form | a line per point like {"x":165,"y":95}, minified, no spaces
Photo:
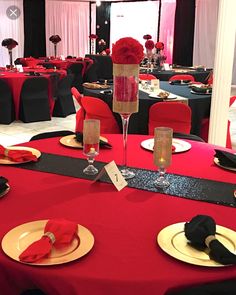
{"x":182,"y":77}
{"x":147,"y":77}
{"x":51,"y":134}
{"x":95,"y":108}
{"x":80,"y":114}
{"x":187,"y":136}
{"x":205,"y":127}
{"x":227,"y":287}
{"x":34,"y":101}
{"x":90,"y":74}
{"x":64,"y":104}
{"x":7,"y":110}
{"x":175,"y":115}
{"x":77,"y":70}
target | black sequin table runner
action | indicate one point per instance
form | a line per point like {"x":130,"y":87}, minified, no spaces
{"x":181,"y":186}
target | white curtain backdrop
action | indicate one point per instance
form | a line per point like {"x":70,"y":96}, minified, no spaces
{"x":134,"y":19}
{"x":69,"y":20}
{"x":11,"y":29}
{"x":205,"y":32}
{"x":206,"y":19}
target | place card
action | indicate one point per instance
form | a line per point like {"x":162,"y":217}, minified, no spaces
{"x":114,"y":174}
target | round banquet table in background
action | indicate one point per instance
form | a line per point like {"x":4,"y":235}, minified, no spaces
{"x":138,"y":124}
{"x":199,"y":75}
{"x":15,"y":81}
{"x":125,"y":258}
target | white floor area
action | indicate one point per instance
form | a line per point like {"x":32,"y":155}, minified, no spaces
{"x":19,"y":132}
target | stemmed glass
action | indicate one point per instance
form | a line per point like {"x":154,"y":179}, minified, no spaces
{"x":91,"y":134}
{"x":162,"y":154}
{"x":125,"y":102}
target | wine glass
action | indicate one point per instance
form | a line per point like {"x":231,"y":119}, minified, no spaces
{"x":91,"y":134}
{"x":162,"y":154}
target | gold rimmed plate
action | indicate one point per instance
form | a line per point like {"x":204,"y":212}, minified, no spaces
{"x":172,"y":240}
{"x":216,"y":161}
{"x":70,"y":141}
{"x":180,"y":145}
{"x":4,"y":192}
{"x":20,"y":237}
{"x":7,"y":161}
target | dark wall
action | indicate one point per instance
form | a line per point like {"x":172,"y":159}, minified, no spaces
{"x":103,"y":29}
{"x":184,"y":32}
{"x":34,"y":28}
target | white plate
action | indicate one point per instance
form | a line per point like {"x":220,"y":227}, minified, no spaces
{"x":180,"y":145}
{"x":199,"y":93}
{"x":171,"y":96}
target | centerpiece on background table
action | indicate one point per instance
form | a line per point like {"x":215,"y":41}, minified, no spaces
{"x":159,"y":57}
{"x":127,"y":53}
{"x":93,"y":38}
{"x":55,"y":39}
{"x":149,"y":45}
{"x":9,"y":43}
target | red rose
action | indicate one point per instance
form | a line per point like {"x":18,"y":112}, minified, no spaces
{"x":108,"y":51}
{"x":93,"y":36}
{"x":147,"y":37}
{"x":55,"y":39}
{"x":9,"y":43}
{"x":159,"y":45}
{"x":127,"y":51}
{"x":149,"y":44}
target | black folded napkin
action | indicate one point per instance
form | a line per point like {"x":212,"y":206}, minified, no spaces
{"x":206,"y":90}
{"x":200,"y":231}
{"x":3,"y":184}
{"x":226,"y":159}
{"x":177,"y":82}
{"x":102,"y":143}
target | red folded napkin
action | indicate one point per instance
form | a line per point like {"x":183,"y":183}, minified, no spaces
{"x":17,"y":155}
{"x":173,"y":148}
{"x":57,"y":232}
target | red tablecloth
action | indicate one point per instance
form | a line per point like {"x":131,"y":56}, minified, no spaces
{"x":15,"y":81}
{"x":64,"y":64}
{"x":126,"y":258}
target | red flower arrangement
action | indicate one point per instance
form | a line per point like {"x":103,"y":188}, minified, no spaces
{"x":108,"y":51}
{"x":149,"y":44}
{"x":9,"y":43}
{"x":127,"y":51}
{"x":93,"y":36}
{"x":159,"y":46}
{"x":147,"y":37}
{"x":55,"y":39}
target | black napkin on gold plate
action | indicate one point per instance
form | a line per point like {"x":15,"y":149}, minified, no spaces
{"x":200,"y":232}
{"x":3,"y":184}
{"x":225,"y":158}
{"x":102,"y":143}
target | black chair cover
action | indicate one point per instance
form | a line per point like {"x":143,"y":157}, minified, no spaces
{"x":64,"y":104}
{"x":34,"y":101}
{"x":76,"y":69}
{"x":7,"y":109}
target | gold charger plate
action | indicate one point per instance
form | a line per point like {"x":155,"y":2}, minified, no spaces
{"x":5,"y":191}
{"x":20,"y":237}
{"x":95,"y":86}
{"x":216,"y":161}
{"x":172,"y":240}
{"x":7,"y":161}
{"x":180,"y":145}
{"x":70,"y":141}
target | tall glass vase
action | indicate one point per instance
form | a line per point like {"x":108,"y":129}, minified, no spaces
{"x":125,"y":102}
{"x":93,"y":43}
{"x":10,"y":58}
